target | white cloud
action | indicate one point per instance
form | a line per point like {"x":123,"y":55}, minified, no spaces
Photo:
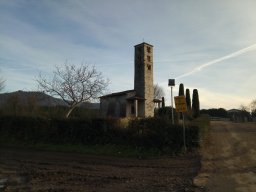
{"x":221,"y":59}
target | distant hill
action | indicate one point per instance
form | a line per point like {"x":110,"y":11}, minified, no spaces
{"x":40,"y":98}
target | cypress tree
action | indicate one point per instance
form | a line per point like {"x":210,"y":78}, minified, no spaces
{"x":188,"y":100}
{"x":163,"y":102}
{"x":181,"y":92}
{"x":195,"y":104}
{"x":181,"y":89}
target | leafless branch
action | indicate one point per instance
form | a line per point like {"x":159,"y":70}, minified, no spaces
{"x":74,"y":85}
{"x":158,"y":92}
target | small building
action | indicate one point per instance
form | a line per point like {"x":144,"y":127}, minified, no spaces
{"x":138,"y":102}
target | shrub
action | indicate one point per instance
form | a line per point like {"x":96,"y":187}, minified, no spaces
{"x":157,"y":133}
{"x":195,"y":104}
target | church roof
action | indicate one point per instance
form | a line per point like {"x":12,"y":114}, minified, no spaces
{"x":157,"y":101}
{"x":117,"y":94}
{"x":130,"y":96}
{"x":143,"y":43}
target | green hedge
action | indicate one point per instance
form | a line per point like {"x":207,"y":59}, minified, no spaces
{"x":141,"y":133}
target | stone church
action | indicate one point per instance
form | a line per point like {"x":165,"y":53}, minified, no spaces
{"x":140,"y":101}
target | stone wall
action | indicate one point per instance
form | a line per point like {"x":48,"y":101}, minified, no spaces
{"x":116,"y":105}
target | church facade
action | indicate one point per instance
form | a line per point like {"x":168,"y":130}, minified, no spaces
{"x":138,"y":102}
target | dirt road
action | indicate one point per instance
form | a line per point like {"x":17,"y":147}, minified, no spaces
{"x":229,"y":158}
{"x":26,"y":170}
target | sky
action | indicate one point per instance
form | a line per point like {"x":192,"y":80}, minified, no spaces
{"x":209,"y":45}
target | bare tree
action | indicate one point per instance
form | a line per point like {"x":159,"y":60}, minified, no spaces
{"x":253,"y":105}
{"x":244,"y":108}
{"x":158,"y":92}
{"x":74,"y":85}
{"x":2,"y":83}
{"x":253,"y":108}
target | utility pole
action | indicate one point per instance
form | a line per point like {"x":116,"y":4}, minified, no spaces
{"x":171,"y":83}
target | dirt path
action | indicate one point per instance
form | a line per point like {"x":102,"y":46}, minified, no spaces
{"x":229,"y":158}
{"x":25,"y":170}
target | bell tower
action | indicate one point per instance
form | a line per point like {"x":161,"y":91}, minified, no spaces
{"x":143,"y":78}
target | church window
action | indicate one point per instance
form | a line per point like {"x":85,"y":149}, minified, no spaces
{"x":149,"y":67}
{"x":148,"y":58}
{"x":148,"y":49}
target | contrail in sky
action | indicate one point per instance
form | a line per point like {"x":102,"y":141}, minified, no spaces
{"x":235,"y":54}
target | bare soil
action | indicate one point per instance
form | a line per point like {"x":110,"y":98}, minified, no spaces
{"x":29,"y":170}
{"x":229,"y":158}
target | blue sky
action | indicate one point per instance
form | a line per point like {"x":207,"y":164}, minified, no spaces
{"x":37,"y":35}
